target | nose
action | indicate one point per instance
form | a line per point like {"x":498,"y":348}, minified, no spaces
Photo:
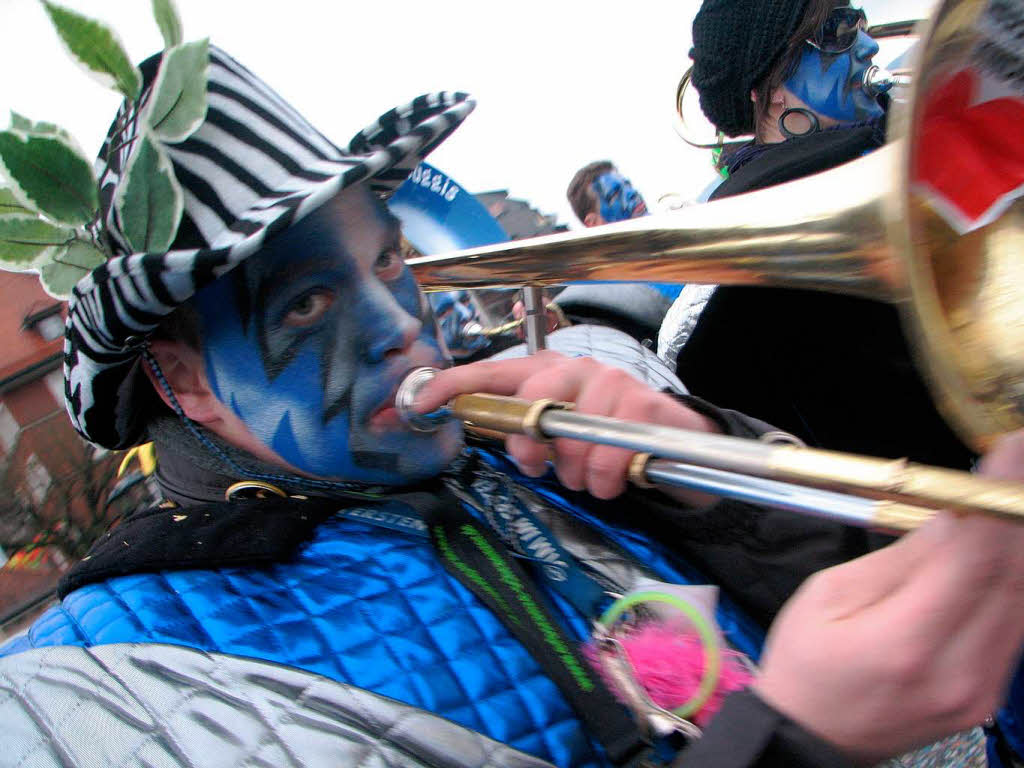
{"x":865,"y":48}
{"x":385,"y":324}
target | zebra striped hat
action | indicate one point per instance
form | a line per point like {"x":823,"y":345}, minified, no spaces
{"x":254,"y":167}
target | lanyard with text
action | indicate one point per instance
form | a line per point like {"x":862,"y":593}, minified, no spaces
{"x":494,"y":495}
{"x":481,"y":562}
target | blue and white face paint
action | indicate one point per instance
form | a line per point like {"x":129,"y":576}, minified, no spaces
{"x":619,"y":201}
{"x":308,"y":340}
{"x":455,"y":315}
{"x":831,"y":84}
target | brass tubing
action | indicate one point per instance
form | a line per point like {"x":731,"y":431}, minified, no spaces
{"x":754,"y":239}
{"x":896,"y":481}
{"x":883,"y":227}
{"x":889,"y":516}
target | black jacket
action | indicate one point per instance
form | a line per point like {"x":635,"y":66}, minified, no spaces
{"x":835,"y":370}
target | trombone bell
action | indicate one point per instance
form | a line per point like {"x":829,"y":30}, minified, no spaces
{"x":932,"y":222}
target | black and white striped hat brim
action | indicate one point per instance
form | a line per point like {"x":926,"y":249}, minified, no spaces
{"x":254,"y":167}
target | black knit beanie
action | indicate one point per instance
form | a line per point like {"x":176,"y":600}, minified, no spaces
{"x":735,"y":45}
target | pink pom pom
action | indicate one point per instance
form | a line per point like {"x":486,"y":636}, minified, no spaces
{"x":669,"y":663}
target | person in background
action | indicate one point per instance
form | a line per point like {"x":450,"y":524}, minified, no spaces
{"x":599,"y":194}
{"x":456,"y":314}
{"x":792,"y":74}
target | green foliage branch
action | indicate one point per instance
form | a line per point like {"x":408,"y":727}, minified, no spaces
{"x":50,"y":217}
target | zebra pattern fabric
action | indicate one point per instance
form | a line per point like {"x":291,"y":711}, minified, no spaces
{"x":254,"y":167}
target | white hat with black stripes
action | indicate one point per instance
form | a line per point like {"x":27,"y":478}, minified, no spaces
{"x":254,"y":167}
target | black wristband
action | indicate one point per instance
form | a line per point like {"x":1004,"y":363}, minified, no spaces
{"x":749,"y":732}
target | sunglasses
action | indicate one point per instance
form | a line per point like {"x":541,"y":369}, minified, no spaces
{"x":839,"y":32}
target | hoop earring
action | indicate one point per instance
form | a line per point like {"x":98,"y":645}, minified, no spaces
{"x":812,"y":118}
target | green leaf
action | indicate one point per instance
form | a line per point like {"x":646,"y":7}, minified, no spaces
{"x":22,"y":123}
{"x":24,"y":240}
{"x":97,"y":48}
{"x":50,"y":174}
{"x":177,"y":106}
{"x":69,"y":265}
{"x":167,"y":19}
{"x":9,"y":203}
{"x":149,"y":201}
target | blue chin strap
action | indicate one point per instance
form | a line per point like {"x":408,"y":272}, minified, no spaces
{"x":289,"y":481}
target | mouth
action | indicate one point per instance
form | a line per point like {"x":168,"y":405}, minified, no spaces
{"x":640,"y":210}
{"x":385,"y":419}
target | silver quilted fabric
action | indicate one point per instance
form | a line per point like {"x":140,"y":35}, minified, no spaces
{"x":163,"y":705}
{"x":680,"y":320}
{"x":611,"y":347}
{"x":641,"y":303}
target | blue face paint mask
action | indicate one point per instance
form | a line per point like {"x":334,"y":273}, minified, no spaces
{"x":831,"y":84}
{"x":307,"y":341}
{"x":455,"y":314}
{"x":619,"y":201}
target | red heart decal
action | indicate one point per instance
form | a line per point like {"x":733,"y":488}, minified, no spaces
{"x":970,"y":156}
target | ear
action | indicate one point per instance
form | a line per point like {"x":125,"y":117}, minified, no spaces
{"x":777,"y":101}
{"x":593,"y":219}
{"x":183,"y":369}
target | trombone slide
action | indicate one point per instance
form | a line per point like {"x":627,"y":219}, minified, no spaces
{"x":889,"y":494}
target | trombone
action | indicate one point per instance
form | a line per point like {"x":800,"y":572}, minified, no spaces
{"x":895,"y":236}
{"x":876,"y":493}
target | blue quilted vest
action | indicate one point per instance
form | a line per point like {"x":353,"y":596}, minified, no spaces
{"x":369,"y":604}
{"x":1010,"y":722}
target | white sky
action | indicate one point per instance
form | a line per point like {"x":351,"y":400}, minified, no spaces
{"x":558,"y":83}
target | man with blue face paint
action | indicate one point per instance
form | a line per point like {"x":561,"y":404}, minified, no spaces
{"x":307,"y":352}
{"x":599,"y":194}
{"x":323,"y":586}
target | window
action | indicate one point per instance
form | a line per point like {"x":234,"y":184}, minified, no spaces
{"x":54,"y":381}
{"x":8,"y":428}
{"x":51,"y":327}
{"x":47,"y":322}
{"x":37,"y":479}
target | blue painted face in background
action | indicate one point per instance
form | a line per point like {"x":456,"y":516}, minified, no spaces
{"x":619,"y":201}
{"x":831,"y":84}
{"x":307,"y":341}
{"x":456,"y":313}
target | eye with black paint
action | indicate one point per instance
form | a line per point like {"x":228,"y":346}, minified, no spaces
{"x":309,"y":308}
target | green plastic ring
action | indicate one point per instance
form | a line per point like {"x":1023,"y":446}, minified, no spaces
{"x":708,"y":639}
